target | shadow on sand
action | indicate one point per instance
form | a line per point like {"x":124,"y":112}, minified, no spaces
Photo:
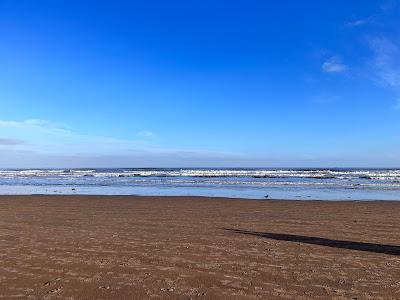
{"x":369,"y":247}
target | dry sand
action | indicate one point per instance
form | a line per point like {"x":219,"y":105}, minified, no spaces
{"x":101,"y":247}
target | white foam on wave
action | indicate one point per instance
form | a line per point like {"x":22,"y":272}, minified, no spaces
{"x":256,"y":173}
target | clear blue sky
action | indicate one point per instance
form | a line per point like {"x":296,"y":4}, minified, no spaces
{"x":199,"y":83}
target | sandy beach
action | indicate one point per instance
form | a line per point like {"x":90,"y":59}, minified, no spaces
{"x":102,"y":247}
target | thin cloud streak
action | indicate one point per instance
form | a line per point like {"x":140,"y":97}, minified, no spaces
{"x":357,"y":23}
{"x":50,"y":138}
{"x":36,"y":125}
{"x":385,"y":65}
{"x":386,"y":61}
{"x":333,"y":65}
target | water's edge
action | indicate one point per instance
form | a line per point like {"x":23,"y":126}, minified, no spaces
{"x":296,"y":184}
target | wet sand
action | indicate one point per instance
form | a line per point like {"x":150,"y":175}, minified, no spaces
{"x":102,"y":247}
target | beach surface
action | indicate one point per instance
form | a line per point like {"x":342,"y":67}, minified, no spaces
{"x":126,"y":247}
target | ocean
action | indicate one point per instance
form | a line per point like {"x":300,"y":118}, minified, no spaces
{"x":262,"y":183}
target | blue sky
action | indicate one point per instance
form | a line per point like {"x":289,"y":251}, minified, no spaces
{"x":199,"y":83}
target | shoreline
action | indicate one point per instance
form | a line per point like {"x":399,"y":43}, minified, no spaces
{"x":134,"y":247}
{"x":194,"y":198}
{"x":256,"y":183}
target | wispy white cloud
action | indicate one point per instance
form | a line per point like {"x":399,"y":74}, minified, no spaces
{"x":145,"y":133}
{"x":357,"y":23}
{"x":47,"y":139}
{"x":333,"y":65}
{"x":385,"y":63}
{"x":50,"y":137}
{"x":36,"y":125}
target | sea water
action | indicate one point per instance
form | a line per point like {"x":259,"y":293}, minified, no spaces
{"x":316,"y":184}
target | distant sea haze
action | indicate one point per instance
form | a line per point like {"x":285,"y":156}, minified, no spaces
{"x":262,"y":183}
